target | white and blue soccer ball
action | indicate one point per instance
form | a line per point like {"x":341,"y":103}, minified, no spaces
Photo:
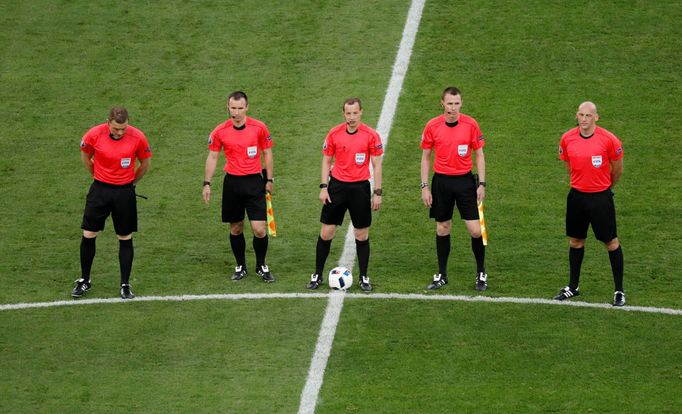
{"x":340,"y":278}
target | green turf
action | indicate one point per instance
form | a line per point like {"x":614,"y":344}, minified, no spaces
{"x":156,"y":358}
{"x":445,"y":357}
{"x":523,"y":67}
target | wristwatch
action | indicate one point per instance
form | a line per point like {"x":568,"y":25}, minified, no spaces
{"x":270,"y":180}
{"x":377,"y":191}
{"x":323,"y":185}
{"x":424,"y":185}
{"x":482,"y":183}
{"x":207,"y":183}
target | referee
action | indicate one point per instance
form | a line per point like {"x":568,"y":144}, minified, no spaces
{"x":594,"y":159}
{"x":244,"y":140}
{"x":454,"y":138}
{"x":109,"y":152}
{"x":352,"y":145}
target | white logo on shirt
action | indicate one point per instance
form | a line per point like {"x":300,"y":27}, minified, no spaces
{"x":125,"y":162}
{"x":360,"y":158}
{"x":252,"y":151}
{"x":596,"y":161}
{"x":462,"y":150}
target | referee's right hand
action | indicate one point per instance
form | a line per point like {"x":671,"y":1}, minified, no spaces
{"x":426,"y":197}
{"x":206,"y":193}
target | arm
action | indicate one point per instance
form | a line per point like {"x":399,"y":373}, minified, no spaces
{"x":324,"y":178}
{"x":425,"y":170}
{"x":616,"y":171}
{"x":480,"y":168}
{"x":88,"y":163}
{"x":211,"y":163}
{"x":142,"y":169}
{"x":376,"y":165}
{"x":267,"y":160}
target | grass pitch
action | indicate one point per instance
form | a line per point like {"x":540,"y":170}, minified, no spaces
{"x":523,"y":67}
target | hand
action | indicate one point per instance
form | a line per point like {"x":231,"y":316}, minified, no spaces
{"x":206,"y":193}
{"x":480,"y":194}
{"x":324,"y":196}
{"x":376,"y":202}
{"x":426,"y":197}
{"x":268,"y":187}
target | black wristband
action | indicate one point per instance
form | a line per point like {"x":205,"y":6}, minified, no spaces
{"x":377,"y":191}
{"x":482,"y":183}
{"x":323,"y":185}
{"x":207,"y":183}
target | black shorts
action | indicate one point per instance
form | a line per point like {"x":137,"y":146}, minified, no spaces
{"x":450,"y":190}
{"x":243,"y":193}
{"x":104,"y":199}
{"x":598,"y":209}
{"x":355,"y":197}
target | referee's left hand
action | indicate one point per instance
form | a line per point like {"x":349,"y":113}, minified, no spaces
{"x":480,"y":193}
{"x":268,"y":187}
{"x":376,"y":202}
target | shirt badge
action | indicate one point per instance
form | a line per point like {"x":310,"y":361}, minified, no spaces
{"x":125,"y":162}
{"x":596,"y":161}
{"x":462,"y":150}
{"x":360,"y":158}
{"x":252,"y":152}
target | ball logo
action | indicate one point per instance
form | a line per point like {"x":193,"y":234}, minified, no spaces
{"x":125,"y":162}
{"x":596,"y":161}
{"x":252,"y":152}
{"x":462,"y":150}
{"x":360,"y":158}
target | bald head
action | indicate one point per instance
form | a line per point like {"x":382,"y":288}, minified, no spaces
{"x":587,"y":117}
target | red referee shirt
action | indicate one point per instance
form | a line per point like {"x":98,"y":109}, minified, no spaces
{"x":590,"y":158}
{"x":115,"y":159}
{"x":452,"y":145}
{"x":352,"y":152}
{"x":242,"y":146}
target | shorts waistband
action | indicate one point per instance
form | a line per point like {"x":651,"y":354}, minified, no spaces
{"x":228,"y":175}
{"x":573,"y":190}
{"x":102,"y":183}
{"x":469,"y":174}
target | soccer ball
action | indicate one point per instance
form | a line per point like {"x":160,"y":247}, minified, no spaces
{"x":340,"y":278}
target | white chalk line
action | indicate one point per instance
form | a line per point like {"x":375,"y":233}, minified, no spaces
{"x":347,"y":295}
{"x":325,"y":340}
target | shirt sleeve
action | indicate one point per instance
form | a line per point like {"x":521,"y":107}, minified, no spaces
{"x":264,"y":138}
{"x":376,"y":145}
{"x":87,"y":143}
{"x":563,"y":153}
{"x":143,"y":149}
{"x":477,"y":136}
{"x":615,"y":149}
{"x":214,"y":143}
{"x":427,"y":139}
{"x":328,"y":148}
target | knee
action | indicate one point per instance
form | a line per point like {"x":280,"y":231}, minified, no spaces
{"x":362,"y":234}
{"x":612,"y":245}
{"x":237,"y":228}
{"x":327,"y":232}
{"x":443,"y":228}
{"x":576,"y":243}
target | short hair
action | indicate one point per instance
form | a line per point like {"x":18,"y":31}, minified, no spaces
{"x":118,"y":114}
{"x":351,"y":101}
{"x":451,"y":90}
{"x":237,"y":96}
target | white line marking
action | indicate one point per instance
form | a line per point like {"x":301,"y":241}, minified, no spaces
{"x":395,"y":85}
{"x":322,"y":351}
{"x":399,"y":296}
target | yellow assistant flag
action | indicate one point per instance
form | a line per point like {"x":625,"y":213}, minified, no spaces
{"x":272,"y":228}
{"x":481,"y":219}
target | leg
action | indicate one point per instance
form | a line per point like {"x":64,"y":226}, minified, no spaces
{"x":260,"y":247}
{"x":88,"y":250}
{"x":125,"y":260}
{"x":362,"y":250}
{"x":443,"y":245}
{"x":474,"y":229}
{"x":616,"y":259}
